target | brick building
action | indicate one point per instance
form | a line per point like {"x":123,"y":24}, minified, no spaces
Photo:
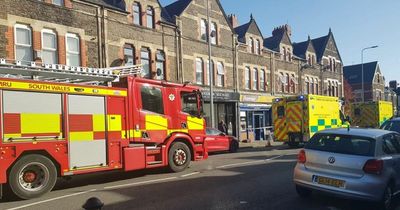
{"x":249,"y":69}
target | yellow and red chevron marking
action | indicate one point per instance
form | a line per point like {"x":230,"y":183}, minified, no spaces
{"x":368,"y":116}
{"x":280,"y":130}
{"x":294,"y":116}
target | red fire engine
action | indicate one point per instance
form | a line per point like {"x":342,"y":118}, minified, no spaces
{"x":54,"y":122}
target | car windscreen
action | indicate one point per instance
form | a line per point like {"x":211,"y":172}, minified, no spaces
{"x":391,"y":126}
{"x":344,"y":144}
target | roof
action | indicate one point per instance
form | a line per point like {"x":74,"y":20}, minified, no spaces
{"x":320,"y":45}
{"x":110,"y":4}
{"x":300,"y":49}
{"x":273,"y":42}
{"x":177,"y":8}
{"x":363,"y":132}
{"x":241,"y":31}
{"x":353,"y":73}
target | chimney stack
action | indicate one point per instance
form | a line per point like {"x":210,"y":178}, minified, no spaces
{"x":282,"y":29}
{"x":233,"y":20}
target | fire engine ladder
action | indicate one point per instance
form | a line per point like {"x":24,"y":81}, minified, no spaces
{"x":65,"y":74}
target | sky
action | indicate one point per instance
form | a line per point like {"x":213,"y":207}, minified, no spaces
{"x":355,"y":24}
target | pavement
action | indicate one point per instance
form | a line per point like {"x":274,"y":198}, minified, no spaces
{"x":256,"y":144}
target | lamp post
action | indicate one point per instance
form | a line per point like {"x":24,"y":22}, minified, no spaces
{"x":362,"y":70}
{"x":211,"y":70}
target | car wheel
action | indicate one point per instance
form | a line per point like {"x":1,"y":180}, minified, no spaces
{"x":234,"y":146}
{"x":32,"y":176}
{"x":179,"y":157}
{"x":303,"y":192}
{"x":387,"y":198}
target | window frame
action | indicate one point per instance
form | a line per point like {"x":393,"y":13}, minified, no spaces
{"x":55,"y":50}
{"x":220,"y":77}
{"x":161,"y":97}
{"x":251,"y":44}
{"x":30,"y":45}
{"x":214,"y":40}
{"x":131,"y":47}
{"x":61,"y":3}
{"x":262,"y":80}
{"x":247,"y":82}
{"x":151,"y":15}
{"x":142,"y":58}
{"x":138,"y":13}
{"x":257,"y":47}
{"x":162,"y":62}
{"x":255,"y":79}
{"x":67,"y":51}
{"x":203,"y":29}
{"x":199,"y":71}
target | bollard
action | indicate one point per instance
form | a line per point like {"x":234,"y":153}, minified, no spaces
{"x":93,"y":203}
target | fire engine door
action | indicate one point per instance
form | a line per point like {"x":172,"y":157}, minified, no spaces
{"x":87,"y":126}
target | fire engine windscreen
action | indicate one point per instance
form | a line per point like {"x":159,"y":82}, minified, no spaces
{"x":190,"y":103}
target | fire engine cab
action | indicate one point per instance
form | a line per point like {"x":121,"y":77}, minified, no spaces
{"x":57,"y":121}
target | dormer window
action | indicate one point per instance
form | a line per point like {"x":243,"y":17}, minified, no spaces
{"x":258,"y":47}
{"x":213,"y":35}
{"x":251,"y":45}
{"x":203,"y":29}
{"x":284,"y":53}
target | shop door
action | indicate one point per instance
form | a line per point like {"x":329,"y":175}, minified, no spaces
{"x":259,"y":125}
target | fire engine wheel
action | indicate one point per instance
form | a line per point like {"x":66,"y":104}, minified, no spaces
{"x":179,"y":157}
{"x":32,"y":176}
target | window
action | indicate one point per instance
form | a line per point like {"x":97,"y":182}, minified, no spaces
{"x":258,"y":47}
{"x":337,"y":89}
{"x":281,"y":111}
{"x":284,"y":54}
{"x":160,"y":65}
{"x":289,"y":55}
{"x":283,"y":82}
{"x":307,"y":85}
{"x":344,"y":144}
{"x":262,"y":79}
{"x":49,"y":47}
{"x":58,"y":2}
{"x":145,"y":61}
{"x":129,"y":55}
{"x":150,"y":17}
{"x":293,"y":84}
{"x":213,"y":36}
{"x":73,"y":50}
{"x":220,"y":74}
{"x":329,"y":88}
{"x":312,"y":86}
{"x":316,"y":87}
{"x":288,"y":82}
{"x":152,"y":99}
{"x":23,"y":43}
{"x":199,"y":71}
{"x":334,"y":65}
{"x":189,"y":103}
{"x":136,"y":13}
{"x":251,"y":45}
{"x":209,"y":72}
{"x":203,"y":29}
{"x":255,"y":79}
{"x":247,"y":78}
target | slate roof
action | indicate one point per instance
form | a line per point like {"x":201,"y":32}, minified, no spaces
{"x":353,"y":73}
{"x":241,"y":31}
{"x":300,"y":49}
{"x":320,"y":45}
{"x":273,"y":42}
{"x":177,"y":8}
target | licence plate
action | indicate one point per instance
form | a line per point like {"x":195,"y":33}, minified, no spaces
{"x":329,"y":181}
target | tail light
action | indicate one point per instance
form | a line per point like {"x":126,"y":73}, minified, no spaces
{"x":373,"y":166}
{"x":301,"y":157}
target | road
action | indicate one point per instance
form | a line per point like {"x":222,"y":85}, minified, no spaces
{"x":256,"y":178}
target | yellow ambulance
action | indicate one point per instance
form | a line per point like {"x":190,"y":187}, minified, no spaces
{"x":297,"y":118}
{"x":371,"y":114}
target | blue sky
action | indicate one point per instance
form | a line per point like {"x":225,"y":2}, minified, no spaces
{"x":355,"y":24}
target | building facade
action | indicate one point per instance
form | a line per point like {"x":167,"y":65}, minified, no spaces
{"x":247,"y":69}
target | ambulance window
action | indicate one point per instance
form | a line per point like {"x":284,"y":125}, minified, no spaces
{"x":357,"y":112}
{"x":281,"y":111}
{"x":152,"y":99}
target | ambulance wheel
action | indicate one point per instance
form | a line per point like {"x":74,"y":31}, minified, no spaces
{"x":32,"y":176}
{"x":179,"y":157}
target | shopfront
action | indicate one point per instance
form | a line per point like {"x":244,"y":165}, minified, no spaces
{"x":255,"y":117}
{"x":225,"y":108}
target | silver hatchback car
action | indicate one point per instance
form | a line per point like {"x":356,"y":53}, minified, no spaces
{"x":351,"y":163}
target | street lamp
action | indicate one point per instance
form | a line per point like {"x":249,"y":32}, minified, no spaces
{"x":362,"y":70}
{"x":211,"y":70}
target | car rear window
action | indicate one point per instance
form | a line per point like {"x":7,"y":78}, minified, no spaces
{"x":344,"y":144}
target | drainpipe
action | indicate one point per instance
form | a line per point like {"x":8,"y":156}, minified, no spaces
{"x":180,"y":66}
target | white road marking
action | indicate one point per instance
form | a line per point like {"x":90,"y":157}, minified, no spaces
{"x":139,"y":183}
{"x":52,"y":199}
{"x":249,"y":162}
{"x":191,"y":174}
